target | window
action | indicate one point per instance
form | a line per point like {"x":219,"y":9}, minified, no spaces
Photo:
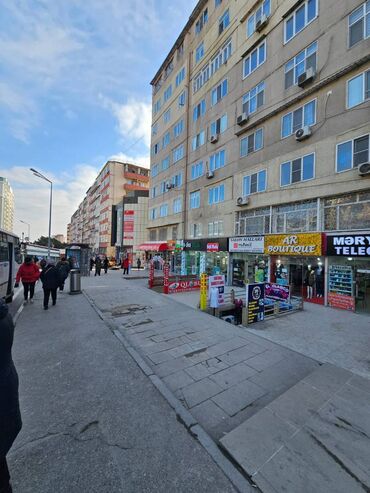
{"x":216,"y":194}
{"x":180,"y":51}
{"x":254,"y":183}
{"x":254,"y":59}
{"x":181,"y":99}
{"x":347,"y":212}
{"x":352,"y":153}
{"x":166,"y":139}
{"x":177,"y":205}
{"x":157,"y":105}
{"x":155,"y":170}
{"x":199,"y":52}
{"x":167,"y":93}
{"x":166,"y":163}
{"x":223,"y":22}
{"x":195,"y":200}
{"x":178,"y":128}
{"x":201,"y":21}
{"x":168,"y":69}
{"x":176,"y":180}
{"x":155,"y":129}
{"x":178,"y":153}
{"x":300,"y":169}
{"x":251,"y":143}
{"x":156,"y":148}
{"x":198,"y":140}
{"x":197,"y":170}
{"x":254,"y":99}
{"x":302,"y":116}
{"x":199,"y":110}
{"x":180,"y":76}
{"x":219,"y":92}
{"x":201,"y":78}
{"x":221,"y":57}
{"x":215,"y":228}
{"x":300,"y":18}
{"x":154,"y":192}
{"x":296,"y":66}
{"x":256,"y":221}
{"x":152,"y":235}
{"x":162,"y":234}
{"x":358,"y":89}
{"x":219,"y":126}
{"x":263,"y":9}
{"x":163,"y":210}
{"x":217,"y":3}
{"x":217,"y":160}
{"x":195,"y":230}
{"x":167,"y":116}
{"x":359,"y":24}
{"x":296,"y":217}
{"x":153,"y":214}
{"x":163,"y":188}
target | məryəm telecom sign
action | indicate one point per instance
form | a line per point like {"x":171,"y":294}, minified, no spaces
{"x":348,"y":245}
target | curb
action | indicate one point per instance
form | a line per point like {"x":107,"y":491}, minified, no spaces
{"x":238,"y":480}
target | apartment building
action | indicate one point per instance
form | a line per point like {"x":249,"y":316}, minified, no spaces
{"x":275,"y":142}
{"x":92,"y":222}
{"x":6,"y":205}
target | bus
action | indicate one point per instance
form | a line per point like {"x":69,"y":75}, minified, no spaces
{"x":41,"y":252}
{"x":10,"y":258}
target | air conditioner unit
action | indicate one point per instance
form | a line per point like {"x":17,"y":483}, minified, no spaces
{"x":243,"y":118}
{"x":169,"y":186}
{"x":306,"y":77}
{"x":303,"y":133}
{"x":364,"y":169}
{"x":210,"y":174}
{"x":214,"y":139}
{"x":240,"y":201}
{"x":261,"y":23}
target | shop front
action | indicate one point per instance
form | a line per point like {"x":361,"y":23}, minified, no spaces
{"x":349,"y":271}
{"x":248,"y":263}
{"x":296,"y":260}
{"x":205,"y":255}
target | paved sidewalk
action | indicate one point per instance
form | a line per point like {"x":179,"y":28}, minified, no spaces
{"x":92,"y":421}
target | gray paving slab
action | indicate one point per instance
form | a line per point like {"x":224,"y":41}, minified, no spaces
{"x":178,"y":380}
{"x":268,"y":358}
{"x":243,"y":353}
{"x":238,"y":397}
{"x":328,"y":378}
{"x":226,"y":346}
{"x":198,"y":371}
{"x":209,"y":414}
{"x":232,"y":375}
{"x":198,"y":392}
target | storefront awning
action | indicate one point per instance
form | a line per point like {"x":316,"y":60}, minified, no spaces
{"x":153,"y":247}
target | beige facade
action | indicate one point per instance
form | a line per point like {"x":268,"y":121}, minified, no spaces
{"x":92,"y":222}
{"x":6,"y":205}
{"x":323,"y":39}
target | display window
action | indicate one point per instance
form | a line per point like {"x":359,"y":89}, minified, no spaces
{"x":247,"y":268}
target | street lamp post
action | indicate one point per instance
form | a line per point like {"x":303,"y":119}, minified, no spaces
{"x":39,"y":175}
{"x":29,"y":229}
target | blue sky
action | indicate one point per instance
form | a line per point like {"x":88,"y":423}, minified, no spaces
{"x":75,"y":91}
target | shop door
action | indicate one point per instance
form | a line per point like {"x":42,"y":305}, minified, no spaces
{"x":296,"y":278}
{"x":238,"y":272}
{"x":363,"y":291}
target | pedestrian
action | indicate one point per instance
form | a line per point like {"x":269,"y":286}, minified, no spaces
{"x":97,"y":266}
{"x":63,"y":271}
{"x":105,"y":265}
{"x":92,"y":263}
{"x":10,"y":416}
{"x":126,"y":265}
{"x":50,"y":282}
{"x":138,"y":263}
{"x":28,"y":273}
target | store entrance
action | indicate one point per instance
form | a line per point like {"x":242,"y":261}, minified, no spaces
{"x":362,"y":294}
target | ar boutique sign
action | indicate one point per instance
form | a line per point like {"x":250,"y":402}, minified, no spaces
{"x":305,"y":244}
{"x":255,"y":302}
{"x":348,"y":245}
{"x":247,"y":244}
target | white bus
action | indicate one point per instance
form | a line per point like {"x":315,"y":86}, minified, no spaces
{"x":10,"y":259}
{"x":41,"y":252}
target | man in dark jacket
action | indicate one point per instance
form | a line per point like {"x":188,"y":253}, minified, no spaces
{"x":63,"y":270}
{"x":10,"y":416}
{"x":105,"y":265}
{"x":97,"y":266}
{"x":50,"y":283}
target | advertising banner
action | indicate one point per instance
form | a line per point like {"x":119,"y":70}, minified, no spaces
{"x":277,"y":292}
{"x":247,"y":244}
{"x":255,"y":302}
{"x":348,"y":245}
{"x":213,"y":247}
{"x":128,"y":224}
{"x":219,"y":283}
{"x":336,"y":300}
{"x":305,"y":244}
{"x":183,"y":286}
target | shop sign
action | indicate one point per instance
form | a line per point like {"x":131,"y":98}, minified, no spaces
{"x":348,"y":245}
{"x":336,"y":300}
{"x":255,"y":302}
{"x":277,"y":291}
{"x":301,"y":244}
{"x":128,"y":224}
{"x":219,"y":283}
{"x":213,"y":247}
{"x":183,"y":286}
{"x":247,"y":244}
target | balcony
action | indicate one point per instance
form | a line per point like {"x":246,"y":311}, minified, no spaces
{"x":135,"y":176}
{"x":129,"y":187}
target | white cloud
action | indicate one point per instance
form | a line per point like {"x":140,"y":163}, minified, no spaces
{"x":126,"y":158}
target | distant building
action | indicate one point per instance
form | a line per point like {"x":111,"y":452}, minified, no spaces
{"x":69,"y":235}
{"x":60,"y":238}
{"x":6,"y":205}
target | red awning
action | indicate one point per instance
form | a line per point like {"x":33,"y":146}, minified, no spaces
{"x":153,"y":247}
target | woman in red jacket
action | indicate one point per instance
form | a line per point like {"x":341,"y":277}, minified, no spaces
{"x":28,"y":273}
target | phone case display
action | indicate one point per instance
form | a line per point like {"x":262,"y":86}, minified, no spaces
{"x":341,"y":279}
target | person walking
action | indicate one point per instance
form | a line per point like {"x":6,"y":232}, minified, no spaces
{"x":28,"y":273}
{"x":10,"y":416}
{"x":97,"y":266}
{"x":138,"y":263}
{"x":50,"y":282}
{"x":63,"y":271}
{"x":105,"y":265}
{"x":92,"y":263}
{"x":126,"y":265}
